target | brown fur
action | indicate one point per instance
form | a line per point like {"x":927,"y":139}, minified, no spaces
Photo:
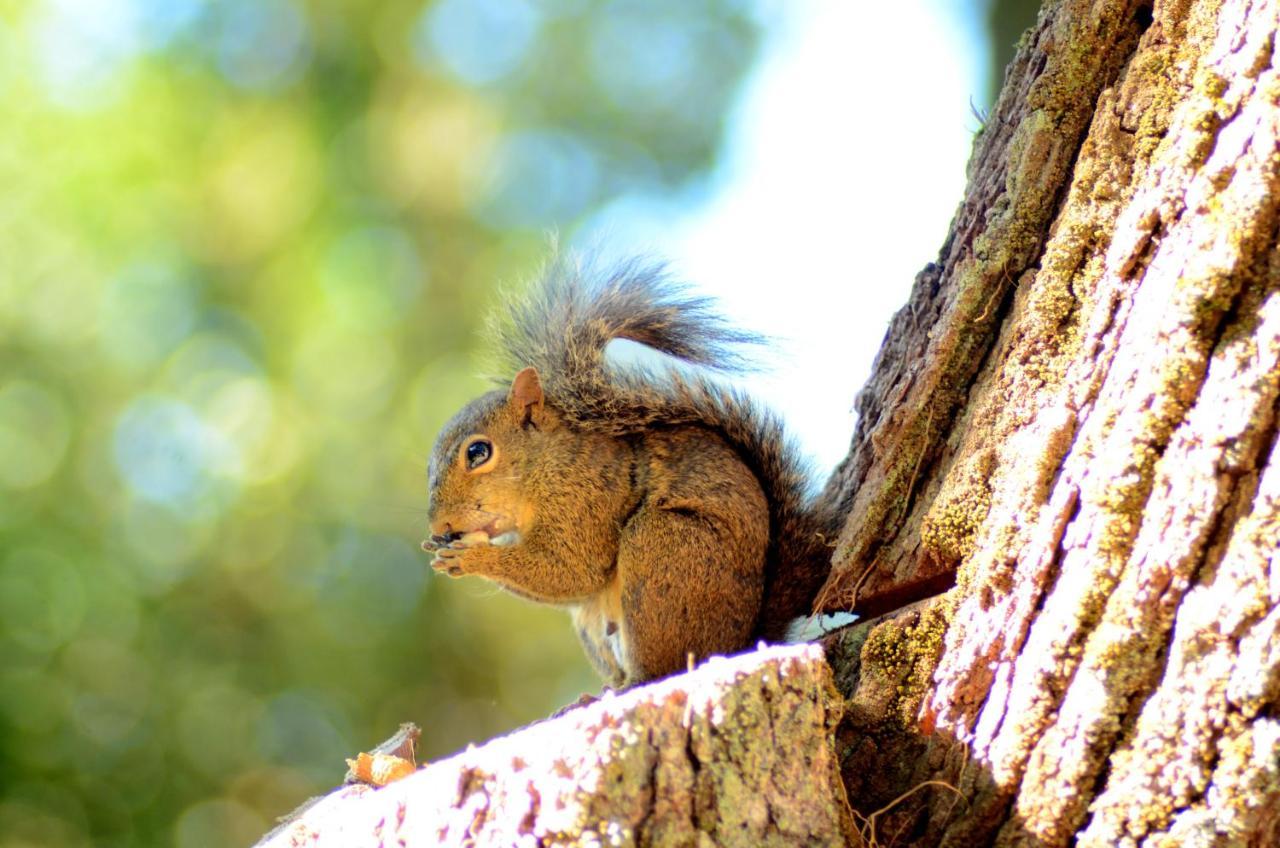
{"x":668,"y":513}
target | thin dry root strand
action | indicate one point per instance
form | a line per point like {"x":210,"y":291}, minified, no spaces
{"x":867,"y":824}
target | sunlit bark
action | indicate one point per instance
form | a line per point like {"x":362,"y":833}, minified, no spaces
{"x":1075,"y":418}
{"x":738,"y":752}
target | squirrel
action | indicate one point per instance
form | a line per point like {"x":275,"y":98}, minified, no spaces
{"x":668,"y":513}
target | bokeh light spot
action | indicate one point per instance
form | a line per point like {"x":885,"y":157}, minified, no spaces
{"x":346,"y":371}
{"x":369,"y":584}
{"x":218,"y":822}
{"x":116,"y":610}
{"x":166,"y":452}
{"x":302,"y":730}
{"x":112,"y":689}
{"x":32,"y":700}
{"x":431,"y":147}
{"x":145,"y":312}
{"x":163,"y":543}
{"x":263,"y":45}
{"x":540,"y":177}
{"x":370,"y":276}
{"x":260,"y":186}
{"x":82,"y":44}
{"x":161,"y":21}
{"x":28,"y":825}
{"x":34,"y":433}
{"x":42,"y":599}
{"x":8,"y":46}
{"x":440,"y":388}
{"x":60,"y":300}
{"x":216,"y":728}
{"x":242,"y":410}
{"x":639,"y":54}
{"x":479,"y":41}
{"x":204,"y":365}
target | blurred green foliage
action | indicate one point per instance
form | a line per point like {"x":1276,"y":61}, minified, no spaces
{"x":1006,"y":21}
{"x":245,"y":250}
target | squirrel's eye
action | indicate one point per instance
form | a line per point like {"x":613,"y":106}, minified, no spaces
{"x":478,"y":453}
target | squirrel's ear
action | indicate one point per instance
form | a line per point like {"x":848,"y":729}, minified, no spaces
{"x":526,"y":396}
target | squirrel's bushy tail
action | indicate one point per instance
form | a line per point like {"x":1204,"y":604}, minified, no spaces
{"x":562,"y":328}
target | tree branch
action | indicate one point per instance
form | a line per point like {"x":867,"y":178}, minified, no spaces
{"x":739,"y":751}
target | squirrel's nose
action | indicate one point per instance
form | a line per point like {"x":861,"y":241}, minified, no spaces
{"x":444,"y":533}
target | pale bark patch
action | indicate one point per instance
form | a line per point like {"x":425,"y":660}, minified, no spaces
{"x":737,"y":752}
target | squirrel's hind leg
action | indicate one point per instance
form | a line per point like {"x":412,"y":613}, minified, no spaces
{"x":688,"y":588}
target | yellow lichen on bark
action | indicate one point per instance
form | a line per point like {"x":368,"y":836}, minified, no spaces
{"x":1104,"y":490}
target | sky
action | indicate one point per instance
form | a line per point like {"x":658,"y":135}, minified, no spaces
{"x":843,"y":168}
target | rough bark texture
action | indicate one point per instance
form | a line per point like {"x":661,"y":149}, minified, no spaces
{"x":738,"y":752}
{"x":1076,"y":416}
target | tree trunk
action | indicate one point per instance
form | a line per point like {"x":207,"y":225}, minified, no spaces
{"x":1075,"y":416}
{"x":1065,"y":463}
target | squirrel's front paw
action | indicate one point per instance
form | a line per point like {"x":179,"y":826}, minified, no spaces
{"x":449,"y":560}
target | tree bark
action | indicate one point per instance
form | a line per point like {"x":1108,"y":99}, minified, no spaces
{"x":738,"y":752}
{"x":1088,"y":445}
